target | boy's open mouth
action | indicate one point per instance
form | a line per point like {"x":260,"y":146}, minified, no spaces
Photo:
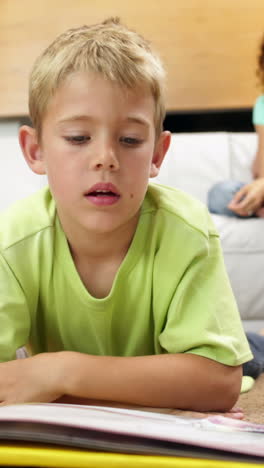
{"x":103,"y":194}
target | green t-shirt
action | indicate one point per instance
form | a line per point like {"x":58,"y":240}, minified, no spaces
{"x":258,"y":111}
{"x":170,"y":294}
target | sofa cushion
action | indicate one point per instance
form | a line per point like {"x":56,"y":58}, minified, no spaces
{"x":243,"y":147}
{"x":195,"y":161}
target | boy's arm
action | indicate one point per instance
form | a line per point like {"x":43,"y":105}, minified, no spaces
{"x":184,"y":381}
{"x":15,"y":319}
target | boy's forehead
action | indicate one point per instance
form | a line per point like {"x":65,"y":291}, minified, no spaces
{"x":96,"y":83}
{"x":84,"y":96}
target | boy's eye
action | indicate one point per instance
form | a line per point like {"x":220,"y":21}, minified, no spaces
{"x":130,"y":141}
{"x":77,"y":139}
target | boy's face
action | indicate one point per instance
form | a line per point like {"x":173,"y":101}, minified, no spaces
{"x":98,"y":149}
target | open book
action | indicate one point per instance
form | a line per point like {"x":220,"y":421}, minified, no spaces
{"x":111,"y":429}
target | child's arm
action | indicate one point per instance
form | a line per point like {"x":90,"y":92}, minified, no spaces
{"x":184,"y":381}
{"x":250,"y":198}
{"x":258,"y":163}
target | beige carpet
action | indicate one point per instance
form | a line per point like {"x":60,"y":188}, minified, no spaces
{"x":253,"y":402}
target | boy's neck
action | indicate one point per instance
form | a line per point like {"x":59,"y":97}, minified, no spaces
{"x":101,"y":246}
{"x":98,"y":256}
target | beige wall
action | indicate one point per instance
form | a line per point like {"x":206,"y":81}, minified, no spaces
{"x":209,"y":47}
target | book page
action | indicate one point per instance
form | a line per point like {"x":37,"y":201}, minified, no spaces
{"x":214,"y":432}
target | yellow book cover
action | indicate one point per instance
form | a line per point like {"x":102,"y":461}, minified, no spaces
{"x":32,"y":456}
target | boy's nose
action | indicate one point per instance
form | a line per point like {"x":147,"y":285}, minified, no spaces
{"x":106,"y":159}
{"x":101,"y":165}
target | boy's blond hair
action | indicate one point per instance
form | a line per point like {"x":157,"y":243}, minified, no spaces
{"x":108,"y":48}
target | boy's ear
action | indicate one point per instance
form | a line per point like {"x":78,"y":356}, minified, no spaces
{"x":31,"y":149}
{"x":161,"y":148}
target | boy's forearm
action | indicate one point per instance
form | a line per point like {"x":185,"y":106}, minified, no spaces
{"x":184,"y":381}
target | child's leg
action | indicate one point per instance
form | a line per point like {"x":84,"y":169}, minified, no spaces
{"x":256,"y":365}
{"x":220,"y":195}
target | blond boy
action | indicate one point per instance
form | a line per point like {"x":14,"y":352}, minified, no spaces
{"x":118,"y":286}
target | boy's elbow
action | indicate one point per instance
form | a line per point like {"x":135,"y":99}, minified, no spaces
{"x":229,"y":388}
{"x":220,"y":390}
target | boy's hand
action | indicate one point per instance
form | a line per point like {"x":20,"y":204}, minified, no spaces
{"x":34,"y":379}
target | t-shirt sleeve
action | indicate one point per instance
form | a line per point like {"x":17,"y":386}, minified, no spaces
{"x":258,"y":111}
{"x":203,"y":318}
{"x":14,"y":314}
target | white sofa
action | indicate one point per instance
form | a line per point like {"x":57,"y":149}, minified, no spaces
{"x":16,"y":179}
{"x":194,"y":162}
